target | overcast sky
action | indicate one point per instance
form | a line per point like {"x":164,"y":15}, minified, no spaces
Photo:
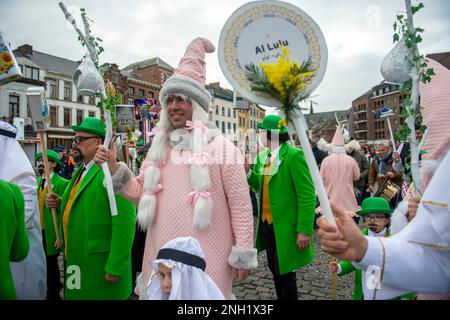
{"x":358,"y":34}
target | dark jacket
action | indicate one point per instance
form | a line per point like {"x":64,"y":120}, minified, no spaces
{"x":363,"y":165}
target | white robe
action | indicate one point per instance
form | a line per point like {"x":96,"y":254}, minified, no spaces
{"x":412,"y":262}
{"x":29,"y":275}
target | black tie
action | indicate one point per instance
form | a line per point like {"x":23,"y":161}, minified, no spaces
{"x":42,"y":183}
{"x":79,"y":177}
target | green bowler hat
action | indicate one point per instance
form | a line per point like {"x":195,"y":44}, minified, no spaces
{"x":91,"y":125}
{"x":375,"y":205}
{"x":51,"y":155}
{"x":273,"y":122}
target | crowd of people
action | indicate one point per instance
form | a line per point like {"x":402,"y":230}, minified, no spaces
{"x":185,"y":222}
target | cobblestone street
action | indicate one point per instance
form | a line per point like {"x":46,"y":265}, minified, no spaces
{"x":313,"y":282}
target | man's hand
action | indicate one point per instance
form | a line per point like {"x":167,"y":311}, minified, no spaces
{"x":413,"y":205}
{"x":391,"y":175}
{"x":395,"y":156}
{"x":370,"y":189}
{"x":102,"y":155}
{"x":303,"y":241}
{"x":52,"y":201}
{"x":240,"y":274}
{"x":110,"y":278}
{"x":346,"y":242}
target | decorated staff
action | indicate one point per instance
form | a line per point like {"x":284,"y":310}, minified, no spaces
{"x":40,"y":115}
{"x":255,"y":51}
{"x":89,"y":82}
{"x":276,"y":55}
{"x":386,"y":113}
{"x":9,"y":69}
{"x":404,"y":65}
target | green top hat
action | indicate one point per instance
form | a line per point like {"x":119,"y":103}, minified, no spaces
{"x":375,"y":205}
{"x":51,"y":155}
{"x":91,"y":125}
{"x":273,"y":122}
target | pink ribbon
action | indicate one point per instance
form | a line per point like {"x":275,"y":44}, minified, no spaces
{"x":199,"y":158}
{"x":193,"y":196}
{"x":158,"y":188}
{"x":157,"y":130}
{"x":151,"y":163}
{"x":191,"y":125}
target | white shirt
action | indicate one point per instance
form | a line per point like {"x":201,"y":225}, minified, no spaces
{"x":412,"y":260}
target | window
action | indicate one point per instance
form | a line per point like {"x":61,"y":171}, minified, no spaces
{"x":14,"y":105}
{"x":223,"y":126}
{"x":217,"y":123}
{"x":32,"y":73}
{"x":67,"y":117}
{"x":234,"y":127}
{"x":229,"y":127}
{"x":92,"y":100}
{"x":53,"y":116}
{"x":141,"y":93}
{"x":234,"y":113}
{"x":130,"y":101}
{"x":91,"y":114}
{"x":223,"y":111}
{"x":131,"y":90}
{"x":80,"y":99}
{"x":115,"y":78}
{"x":217,"y":109}
{"x":79,"y":116}
{"x":67,"y":91}
{"x":53,"y":88}
{"x":150,"y":94}
{"x":229,"y":113}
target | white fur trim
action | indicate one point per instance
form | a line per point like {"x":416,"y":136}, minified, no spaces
{"x":338,"y":149}
{"x":121,"y":177}
{"x":243,"y":258}
{"x":323,"y":145}
{"x":188,"y":87}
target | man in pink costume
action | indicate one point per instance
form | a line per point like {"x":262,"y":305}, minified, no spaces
{"x":193,"y":181}
{"x":338,"y":171}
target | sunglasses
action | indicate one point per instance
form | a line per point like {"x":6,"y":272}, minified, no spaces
{"x":374,"y":218}
{"x":79,"y":139}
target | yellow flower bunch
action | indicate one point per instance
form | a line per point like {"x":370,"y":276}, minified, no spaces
{"x":282,"y":123}
{"x":285,"y":80}
{"x":6,"y":62}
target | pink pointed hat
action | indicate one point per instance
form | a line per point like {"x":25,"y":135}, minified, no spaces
{"x":435,"y":100}
{"x":338,"y":139}
{"x":189,"y":77}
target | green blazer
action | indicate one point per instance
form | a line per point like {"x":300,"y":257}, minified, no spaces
{"x":96,"y":241}
{"x":14,"y":245}
{"x":348,"y":267}
{"x":59,"y":185}
{"x":292,"y":200}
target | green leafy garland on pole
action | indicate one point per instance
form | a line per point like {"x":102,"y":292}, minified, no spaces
{"x":404,"y":27}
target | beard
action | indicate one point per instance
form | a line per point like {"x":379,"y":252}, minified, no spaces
{"x":41,"y":170}
{"x":77,"y":155}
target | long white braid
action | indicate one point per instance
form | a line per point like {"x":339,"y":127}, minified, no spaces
{"x":157,"y":154}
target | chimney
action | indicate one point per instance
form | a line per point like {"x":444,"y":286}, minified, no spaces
{"x":25,"y":50}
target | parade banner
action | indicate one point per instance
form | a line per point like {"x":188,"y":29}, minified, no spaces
{"x":267,"y":46}
{"x":256,"y":32}
{"x":125,"y":119}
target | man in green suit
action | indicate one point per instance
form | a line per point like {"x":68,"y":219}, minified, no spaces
{"x":286,"y":206}
{"x":376,"y":214}
{"x":51,"y":248}
{"x":14,"y":245}
{"x":97,"y":246}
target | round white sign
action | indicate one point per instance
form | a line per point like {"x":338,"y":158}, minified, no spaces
{"x":255,"y":33}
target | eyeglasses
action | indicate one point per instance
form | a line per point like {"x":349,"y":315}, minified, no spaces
{"x":79,"y":139}
{"x":374,"y":218}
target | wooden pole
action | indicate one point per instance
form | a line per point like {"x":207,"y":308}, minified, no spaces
{"x":333,"y":280}
{"x":49,"y":185}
